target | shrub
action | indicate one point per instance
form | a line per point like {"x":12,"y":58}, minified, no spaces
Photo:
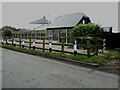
{"x":91,"y":30}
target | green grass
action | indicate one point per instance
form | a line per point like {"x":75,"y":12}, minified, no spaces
{"x":70,"y":47}
{"x":112,"y":55}
{"x":114,"y":51}
{"x":94,"y":59}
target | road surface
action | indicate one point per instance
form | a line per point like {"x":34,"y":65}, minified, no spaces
{"x":21,"y":70}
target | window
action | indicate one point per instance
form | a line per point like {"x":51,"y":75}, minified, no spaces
{"x":83,"y":22}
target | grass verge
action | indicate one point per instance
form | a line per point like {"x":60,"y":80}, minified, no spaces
{"x":83,"y":58}
{"x":112,"y":55}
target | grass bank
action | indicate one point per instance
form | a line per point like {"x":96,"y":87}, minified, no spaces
{"x":95,"y":59}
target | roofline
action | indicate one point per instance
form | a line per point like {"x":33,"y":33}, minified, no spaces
{"x":73,"y":13}
{"x":61,"y":28}
{"x":65,"y":27}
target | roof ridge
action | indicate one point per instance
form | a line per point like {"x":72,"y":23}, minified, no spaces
{"x":73,"y":13}
{"x":70,"y":14}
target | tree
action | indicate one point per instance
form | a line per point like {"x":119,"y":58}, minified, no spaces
{"x":7,"y":30}
{"x":9,"y":27}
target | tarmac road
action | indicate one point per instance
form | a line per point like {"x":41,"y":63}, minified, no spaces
{"x":21,"y":70}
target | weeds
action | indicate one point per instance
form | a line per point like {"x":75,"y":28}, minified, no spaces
{"x":110,"y":55}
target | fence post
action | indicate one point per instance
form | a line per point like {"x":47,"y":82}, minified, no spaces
{"x":75,"y":47}
{"x":14,"y":42}
{"x":66,"y":35}
{"x":97,"y":48}
{"x":27,"y":35}
{"x":50,"y":45}
{"x":2,"y":40}
{"x":20,"y":41}
{"x":23,"y":43}
{"x":62,"y":45}
{"x":30,"y":43}
{"x":103,"y":45}
{"x":88,"y":48}
{"x":33,"y":44}
{"x":58,"y":35}
{"x":43,"y":44}
{"x":6,"y":39}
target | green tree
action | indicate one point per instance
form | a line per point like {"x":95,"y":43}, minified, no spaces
{"x":9,"y":27}
{"x":7,"y":30}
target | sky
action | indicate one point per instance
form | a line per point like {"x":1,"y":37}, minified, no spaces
{"x":19,"y":14}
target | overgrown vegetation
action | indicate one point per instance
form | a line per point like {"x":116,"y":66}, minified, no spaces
{"x":84,"y":58}
{"x":112,"y":55}
{"x":89,"y":30}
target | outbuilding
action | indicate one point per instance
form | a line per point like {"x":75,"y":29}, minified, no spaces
{"x":63,"y":25}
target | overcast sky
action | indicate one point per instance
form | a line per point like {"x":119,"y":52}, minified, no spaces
{"x":19,"y":14}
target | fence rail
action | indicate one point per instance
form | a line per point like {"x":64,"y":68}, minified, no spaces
{"x":31,"y":43}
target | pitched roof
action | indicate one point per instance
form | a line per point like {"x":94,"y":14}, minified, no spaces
{"x":70,"y":20}
{"x":41,"y":21}
{"x":42,"y":27}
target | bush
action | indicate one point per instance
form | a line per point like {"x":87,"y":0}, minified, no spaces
{"x":91,"y":30}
